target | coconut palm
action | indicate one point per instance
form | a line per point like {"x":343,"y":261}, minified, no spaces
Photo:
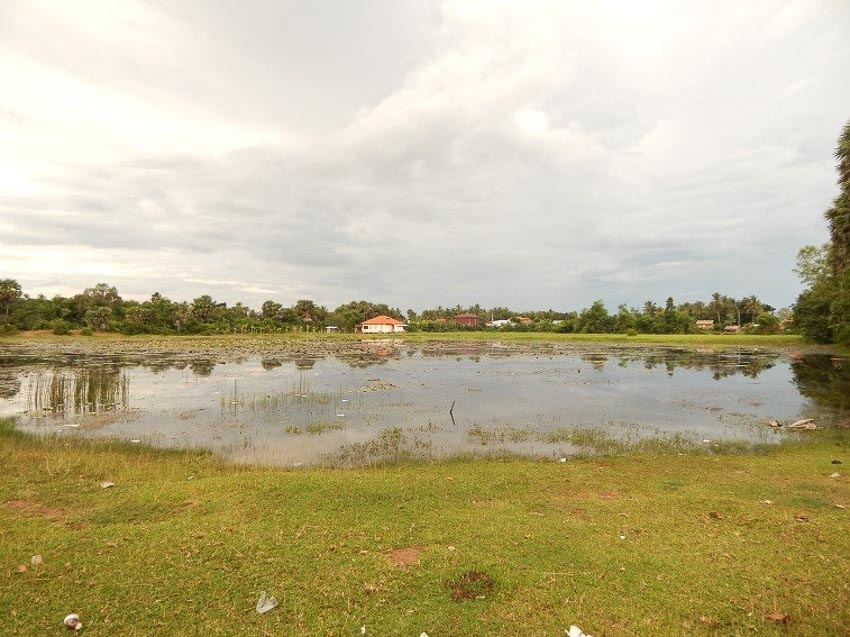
{"x":838,"y":215}
{"x":10,"y":293}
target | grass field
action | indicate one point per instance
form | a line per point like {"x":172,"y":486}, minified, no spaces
{"x":634,"y":545}
{"x":714,"y":341}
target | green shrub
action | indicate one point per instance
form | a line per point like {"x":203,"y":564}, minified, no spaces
{"x":60,"y":327}
{"x":86,"y":331}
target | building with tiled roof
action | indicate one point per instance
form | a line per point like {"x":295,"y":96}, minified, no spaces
{"x":381,"y":325}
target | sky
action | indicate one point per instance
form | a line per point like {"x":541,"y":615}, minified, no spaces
{"x":529,"y":154}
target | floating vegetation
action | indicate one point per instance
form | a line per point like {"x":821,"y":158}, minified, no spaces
{"x":377,"y":384}
{"x":319,"y":427}
{"x":387,"y":447}
{"x":498,"y":435}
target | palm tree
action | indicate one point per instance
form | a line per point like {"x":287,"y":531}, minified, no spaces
{"x":717,"y":305}
{"x":10,"y":293}
{"x":838,"y":215}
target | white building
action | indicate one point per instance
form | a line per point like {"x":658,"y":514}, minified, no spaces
{"x":381,"y":325}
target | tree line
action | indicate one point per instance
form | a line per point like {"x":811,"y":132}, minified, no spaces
{"x":101,"y":308}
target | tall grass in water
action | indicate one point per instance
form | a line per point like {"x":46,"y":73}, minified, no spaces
{"x":84,"y":391}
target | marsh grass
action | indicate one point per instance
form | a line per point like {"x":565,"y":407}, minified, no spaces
{"x":634,"y":545}
{"x":84,"y":391}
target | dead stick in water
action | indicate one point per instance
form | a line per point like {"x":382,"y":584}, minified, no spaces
{"x":451,"y":409}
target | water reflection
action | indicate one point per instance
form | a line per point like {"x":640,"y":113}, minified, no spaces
{"x":83,"y":391}
{"x":825,"y":380}
{"x":312,"y":403}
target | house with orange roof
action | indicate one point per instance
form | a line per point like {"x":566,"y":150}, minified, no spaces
{"x":381,"y":325}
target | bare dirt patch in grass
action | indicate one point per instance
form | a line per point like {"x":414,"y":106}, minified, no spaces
{"x":470,"y":585}
{"x":33,"y":509}
{"x":408,"y":556}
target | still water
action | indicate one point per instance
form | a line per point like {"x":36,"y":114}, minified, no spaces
{"x":375,"y":401}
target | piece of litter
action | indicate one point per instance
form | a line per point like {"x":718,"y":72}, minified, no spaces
{"x":36,"y":560}
{"x":423,"y":634}
{"x":562,"y":459}
{"x":835,"y":475}
{"x":71,"y":424}
{"x":706,"y":440}
{"x":575,"y":631}
{"x":73,"y":622}
{"x":107,"y":485}
{"x":773,"y":423}
{"x":363,"y":630}
{"x":622,"y":537}
{"x":265,"y":603}
{"x":340,"y":415}
{"x":452,"y":548}
{"x":766,"y":501}
{"x":344,"y":400}
{"x":840,"y":506}
{"x":135,"y":441}
{"x":806,"y":424}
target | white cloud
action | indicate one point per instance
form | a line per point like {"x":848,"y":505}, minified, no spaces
{"x":535,"y":154}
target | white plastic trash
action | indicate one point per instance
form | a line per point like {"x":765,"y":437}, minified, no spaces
{"x":265,"y":603}
{"x":73,"y":622}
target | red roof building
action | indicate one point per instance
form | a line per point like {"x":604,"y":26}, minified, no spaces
{"x":381,"y":325}
{"x":467,"y":320}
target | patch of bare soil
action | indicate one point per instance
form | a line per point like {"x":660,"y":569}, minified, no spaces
{"x":470,"y":585}
{"x":33,"y":509}
{"x":408,"y":556}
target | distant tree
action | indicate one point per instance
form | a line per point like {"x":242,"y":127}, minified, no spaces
{"x":309,"y":313}
{"x":717,"y":306}
{"x":10,"y":293}
{"x":203,"y":307}
{"x":595,"y":319}
{"x":271,"y":310}
{"x":752,"y":307}
{"x":98,"y":317}
{"x":182,"y":315}
{"x":624,"y":320}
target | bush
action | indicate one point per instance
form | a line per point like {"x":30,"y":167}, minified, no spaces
{"x":86,"y":331}
{"x":60,"y":327}
{"x":631,"y":332}
{"x":8,"y":330}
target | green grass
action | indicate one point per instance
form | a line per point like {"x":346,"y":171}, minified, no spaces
{"x":183,"y":545}
{"x":776,"y":340}
{"x":318,"y":341}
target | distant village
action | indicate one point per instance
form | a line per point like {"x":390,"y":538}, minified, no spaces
{"x":102,"y":309}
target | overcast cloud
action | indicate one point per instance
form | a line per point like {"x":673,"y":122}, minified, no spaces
{"x":531,"y":154}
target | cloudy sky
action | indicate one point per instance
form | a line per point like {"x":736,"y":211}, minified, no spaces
{"x":531,"y":154}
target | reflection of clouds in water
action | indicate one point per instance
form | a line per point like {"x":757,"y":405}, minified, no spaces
{"x":301,"y":402}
